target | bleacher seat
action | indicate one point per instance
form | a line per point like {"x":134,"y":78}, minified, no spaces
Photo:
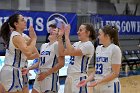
{"x":131,"y":58}
{"x":137,"y":53}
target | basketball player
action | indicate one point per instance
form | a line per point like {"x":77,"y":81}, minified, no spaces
{"x":108,"y":62}
{"x":81,"y":53}
{"x":17,"y":52}
{"x":25,"y":77}
{"x":49,"y":63}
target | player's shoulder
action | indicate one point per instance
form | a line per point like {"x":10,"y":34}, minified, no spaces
{"x":76,"y":43}
{"x":24,"y":34}
{"x":89,"y":43}
{"x":115,"y":47}
{"x":15,"y":33}
{"x":44,"y":44}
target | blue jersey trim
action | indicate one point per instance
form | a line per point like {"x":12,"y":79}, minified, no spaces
{"x":12,"y":82}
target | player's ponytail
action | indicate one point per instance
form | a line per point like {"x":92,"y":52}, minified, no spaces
{"x":115,"y":38}
{"x":5,"y":31}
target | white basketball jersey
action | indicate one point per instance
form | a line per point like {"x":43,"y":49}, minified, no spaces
{"x":48,"y":55}
{"x":105,"y":57}
{"x":14,"y":56}
{"x":80,"y":63}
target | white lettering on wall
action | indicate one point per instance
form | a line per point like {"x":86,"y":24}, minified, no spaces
{"x":39,"y":24}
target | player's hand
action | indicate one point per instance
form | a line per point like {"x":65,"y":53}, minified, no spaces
{"x":32,"y":33}
{"x":67,"y":30}
{"x":92,"y":84}
{"x":54,"y":31}
{"x":61,"y":31}
{"x":42,"y":76}
{"x":24,"y":71}
{"x":82,"y":83}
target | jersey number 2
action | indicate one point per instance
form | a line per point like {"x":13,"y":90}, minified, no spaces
{"x":72,"y":60}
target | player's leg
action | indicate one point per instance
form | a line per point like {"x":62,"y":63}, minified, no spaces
{"x":34,"y":91}
{"x":25,"y":84}
{"x":36,"y":86}
{"x":2,"y":90}
{"x":25,"y":89}
{"x":68,"y":85}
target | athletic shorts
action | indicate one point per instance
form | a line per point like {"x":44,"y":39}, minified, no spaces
{"x":49,"y":85}
{"x":72,"y":80}
{"x":110,"y":87}
{"x":11,"y":79}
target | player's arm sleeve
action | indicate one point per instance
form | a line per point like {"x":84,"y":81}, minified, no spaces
{"x":87,"y":49}
{"x":116,"y":55}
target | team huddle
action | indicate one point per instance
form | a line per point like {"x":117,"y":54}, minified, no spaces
{"x":21,"y":47}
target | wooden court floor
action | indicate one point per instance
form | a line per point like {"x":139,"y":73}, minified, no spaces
{"x":129,"y":84}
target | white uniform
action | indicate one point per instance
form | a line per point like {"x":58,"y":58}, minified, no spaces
{"x":48,"y":59}
{"x":105,"y":57}
{"x":78,"y":66}
{"x":11,"y":76}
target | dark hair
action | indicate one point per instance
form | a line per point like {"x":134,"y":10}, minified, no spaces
{"x":5,"y":31}
{"x":52,"y":25}
{"x":90,"y":28}
{"x":112,"y":31}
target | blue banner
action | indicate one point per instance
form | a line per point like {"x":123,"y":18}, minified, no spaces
{"x":40,"y":20}
{"x":127,"y":25}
